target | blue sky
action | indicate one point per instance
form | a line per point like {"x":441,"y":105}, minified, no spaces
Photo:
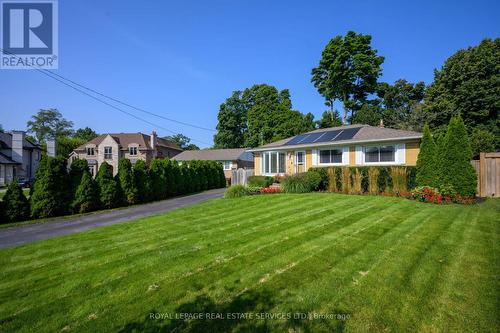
{"x":182,"y":59}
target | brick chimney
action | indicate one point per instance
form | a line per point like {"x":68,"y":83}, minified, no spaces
{"x":152,"y":143}
{"x":17,"y":146}
{"x":51,"y":147}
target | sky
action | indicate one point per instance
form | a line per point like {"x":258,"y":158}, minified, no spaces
{"x":182,"y":59}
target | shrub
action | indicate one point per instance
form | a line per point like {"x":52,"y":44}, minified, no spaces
{"x":411,"y":177}
{"x":86,"y":196}
{"x":314,"y":179}
{"x":427,"y":194}
{"x":373,"y":174}
{"x":356,"y":181}
{"x":334,"y":179}
{"x":323,"y":174}
{"x":299,"y":183}
{"x":77,"y":168}
{"x":426,"y":162}
{"x":126,"y":178}
{"x":15,"y":205}
{"x":251,"y":190}
{"x":108,"y":188}
{"x":142,"y":181}
{"x":261,"y":181}
{"x":50,"y":190}
{"x":384,"y":180}
{"x":346,"y":180}
{"x":456,"y":169}
{"x":158,"y":181}
{"x":222,"y":176}
{"x":236,"y":191}
{"x":398,"y":175}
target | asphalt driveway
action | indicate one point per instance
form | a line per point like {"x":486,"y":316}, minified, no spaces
{"x":14,"y":236}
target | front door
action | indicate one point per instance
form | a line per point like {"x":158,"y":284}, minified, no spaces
{"x":300,"y":161}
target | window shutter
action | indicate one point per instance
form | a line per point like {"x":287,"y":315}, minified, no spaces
{"x":314,"y":157}
{"x":359,"y":155}
{"x":401,"y":153}
{"x":345,"y":155}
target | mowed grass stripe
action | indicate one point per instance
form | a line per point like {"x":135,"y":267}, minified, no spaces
{"x":291,"y":250}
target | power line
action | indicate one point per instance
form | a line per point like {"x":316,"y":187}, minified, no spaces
{"x":54,"y":76}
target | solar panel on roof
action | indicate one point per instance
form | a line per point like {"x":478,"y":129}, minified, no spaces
{"x":295,"y":140}
{"x":328,"y":136}
{"x":311,"y":137}
{"x":347,"y":134}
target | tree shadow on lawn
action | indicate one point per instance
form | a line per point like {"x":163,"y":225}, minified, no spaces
{"x":259,"y":303}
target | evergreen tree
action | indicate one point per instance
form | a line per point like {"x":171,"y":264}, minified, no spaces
{"x":87,"y":195}
{"x":221,"y":176}
{"x":15,"y":204}
{"x":158,"y":181}
{"x":142,"y":182}
{"x":77,"y":169}
{"x":426,"y":163}
{"x":457,"y":171}
{"x":126,"y":178}
{"x":50,"y":194}
{"x":109,"y":191}
{"x":186,"y":176}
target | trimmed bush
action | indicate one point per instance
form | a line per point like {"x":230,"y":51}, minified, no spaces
{"x":456,"y":169}
{"x":15,"y":206}
{"x":398,"y":175}
{"x":300,"y":183}
{"x":87,"y":195}
{"x":50,"y":190}
{"x":77,"y":168}
{"x":426,"y":162}
{"x":373,"y":174}
{"x":158,"y":181}
{"x":109,"y":190}
{"x":323,"y":174}
{"x":384,"y":180}
{"x":236,"y":191}
{"x":142,"y":181}
{"x":127,"y":184}
{"x":260,"y":181}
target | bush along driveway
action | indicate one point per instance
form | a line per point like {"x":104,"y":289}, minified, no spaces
{"x":17,"y":235}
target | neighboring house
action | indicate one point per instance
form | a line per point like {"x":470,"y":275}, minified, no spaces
{"x":230,"y":158}
{"x":133,"y":146}
{"x":19,"y":157}
{"x":352,"y":145}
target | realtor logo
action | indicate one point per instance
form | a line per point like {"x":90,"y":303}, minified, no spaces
{"x":29,"y":35}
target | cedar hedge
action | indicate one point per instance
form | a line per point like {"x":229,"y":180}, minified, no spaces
{"x":57,"y":191}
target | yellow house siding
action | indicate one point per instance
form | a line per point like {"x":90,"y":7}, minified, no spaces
{"x":256,"y":160}
{"x":352,"y":155}
{"x":290,"y":163}
{"x":412,"y":150}
{"x":309,"y":159}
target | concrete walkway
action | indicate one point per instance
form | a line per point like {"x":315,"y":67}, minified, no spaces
{"x":14,"y":236}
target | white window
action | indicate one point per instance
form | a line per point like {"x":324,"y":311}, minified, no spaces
{"x":227,"y":165}
{"x":108,"y":153}
{"x":273,"y":162}
{"x":330,"y":156}
{"x":380,"y":154}
{"x":90,"y":151}
{"x":132,"y":151}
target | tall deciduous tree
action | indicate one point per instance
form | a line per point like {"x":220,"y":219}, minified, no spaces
{"x":86,"y":134}
{"x":49,"y":124}
{"x":348,"y":70}
{"x":426,"y":162}
{"x":468,"y":84}
{"x":259,"y":115}
{"x":182,"y":141}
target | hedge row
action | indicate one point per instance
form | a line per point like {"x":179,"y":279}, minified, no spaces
{"x":390,"y":180}
{"x":57,"y":191}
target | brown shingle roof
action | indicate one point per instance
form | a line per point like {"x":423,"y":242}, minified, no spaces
{"x":211,"y":155}
{"x":366,"y":133}
{"x":125,"y":139}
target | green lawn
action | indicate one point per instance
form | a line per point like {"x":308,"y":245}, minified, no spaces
{"x":364,"y":263}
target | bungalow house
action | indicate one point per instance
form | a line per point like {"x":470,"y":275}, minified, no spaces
{"x":110,"y":148}
{"x":19,"y":157}
{"x":230,"y":158}
{"x":352,"y":145}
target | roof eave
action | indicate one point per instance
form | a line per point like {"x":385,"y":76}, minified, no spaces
{"x":340,"y":143}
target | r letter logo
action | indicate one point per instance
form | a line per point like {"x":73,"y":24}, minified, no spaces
{"x":29,"y":35}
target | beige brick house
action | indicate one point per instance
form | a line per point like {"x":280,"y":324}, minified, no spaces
{"x":110,"y":148}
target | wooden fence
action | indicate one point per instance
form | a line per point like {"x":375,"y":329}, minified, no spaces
{"x":488,"y":174}
{"x":240,"y":176}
